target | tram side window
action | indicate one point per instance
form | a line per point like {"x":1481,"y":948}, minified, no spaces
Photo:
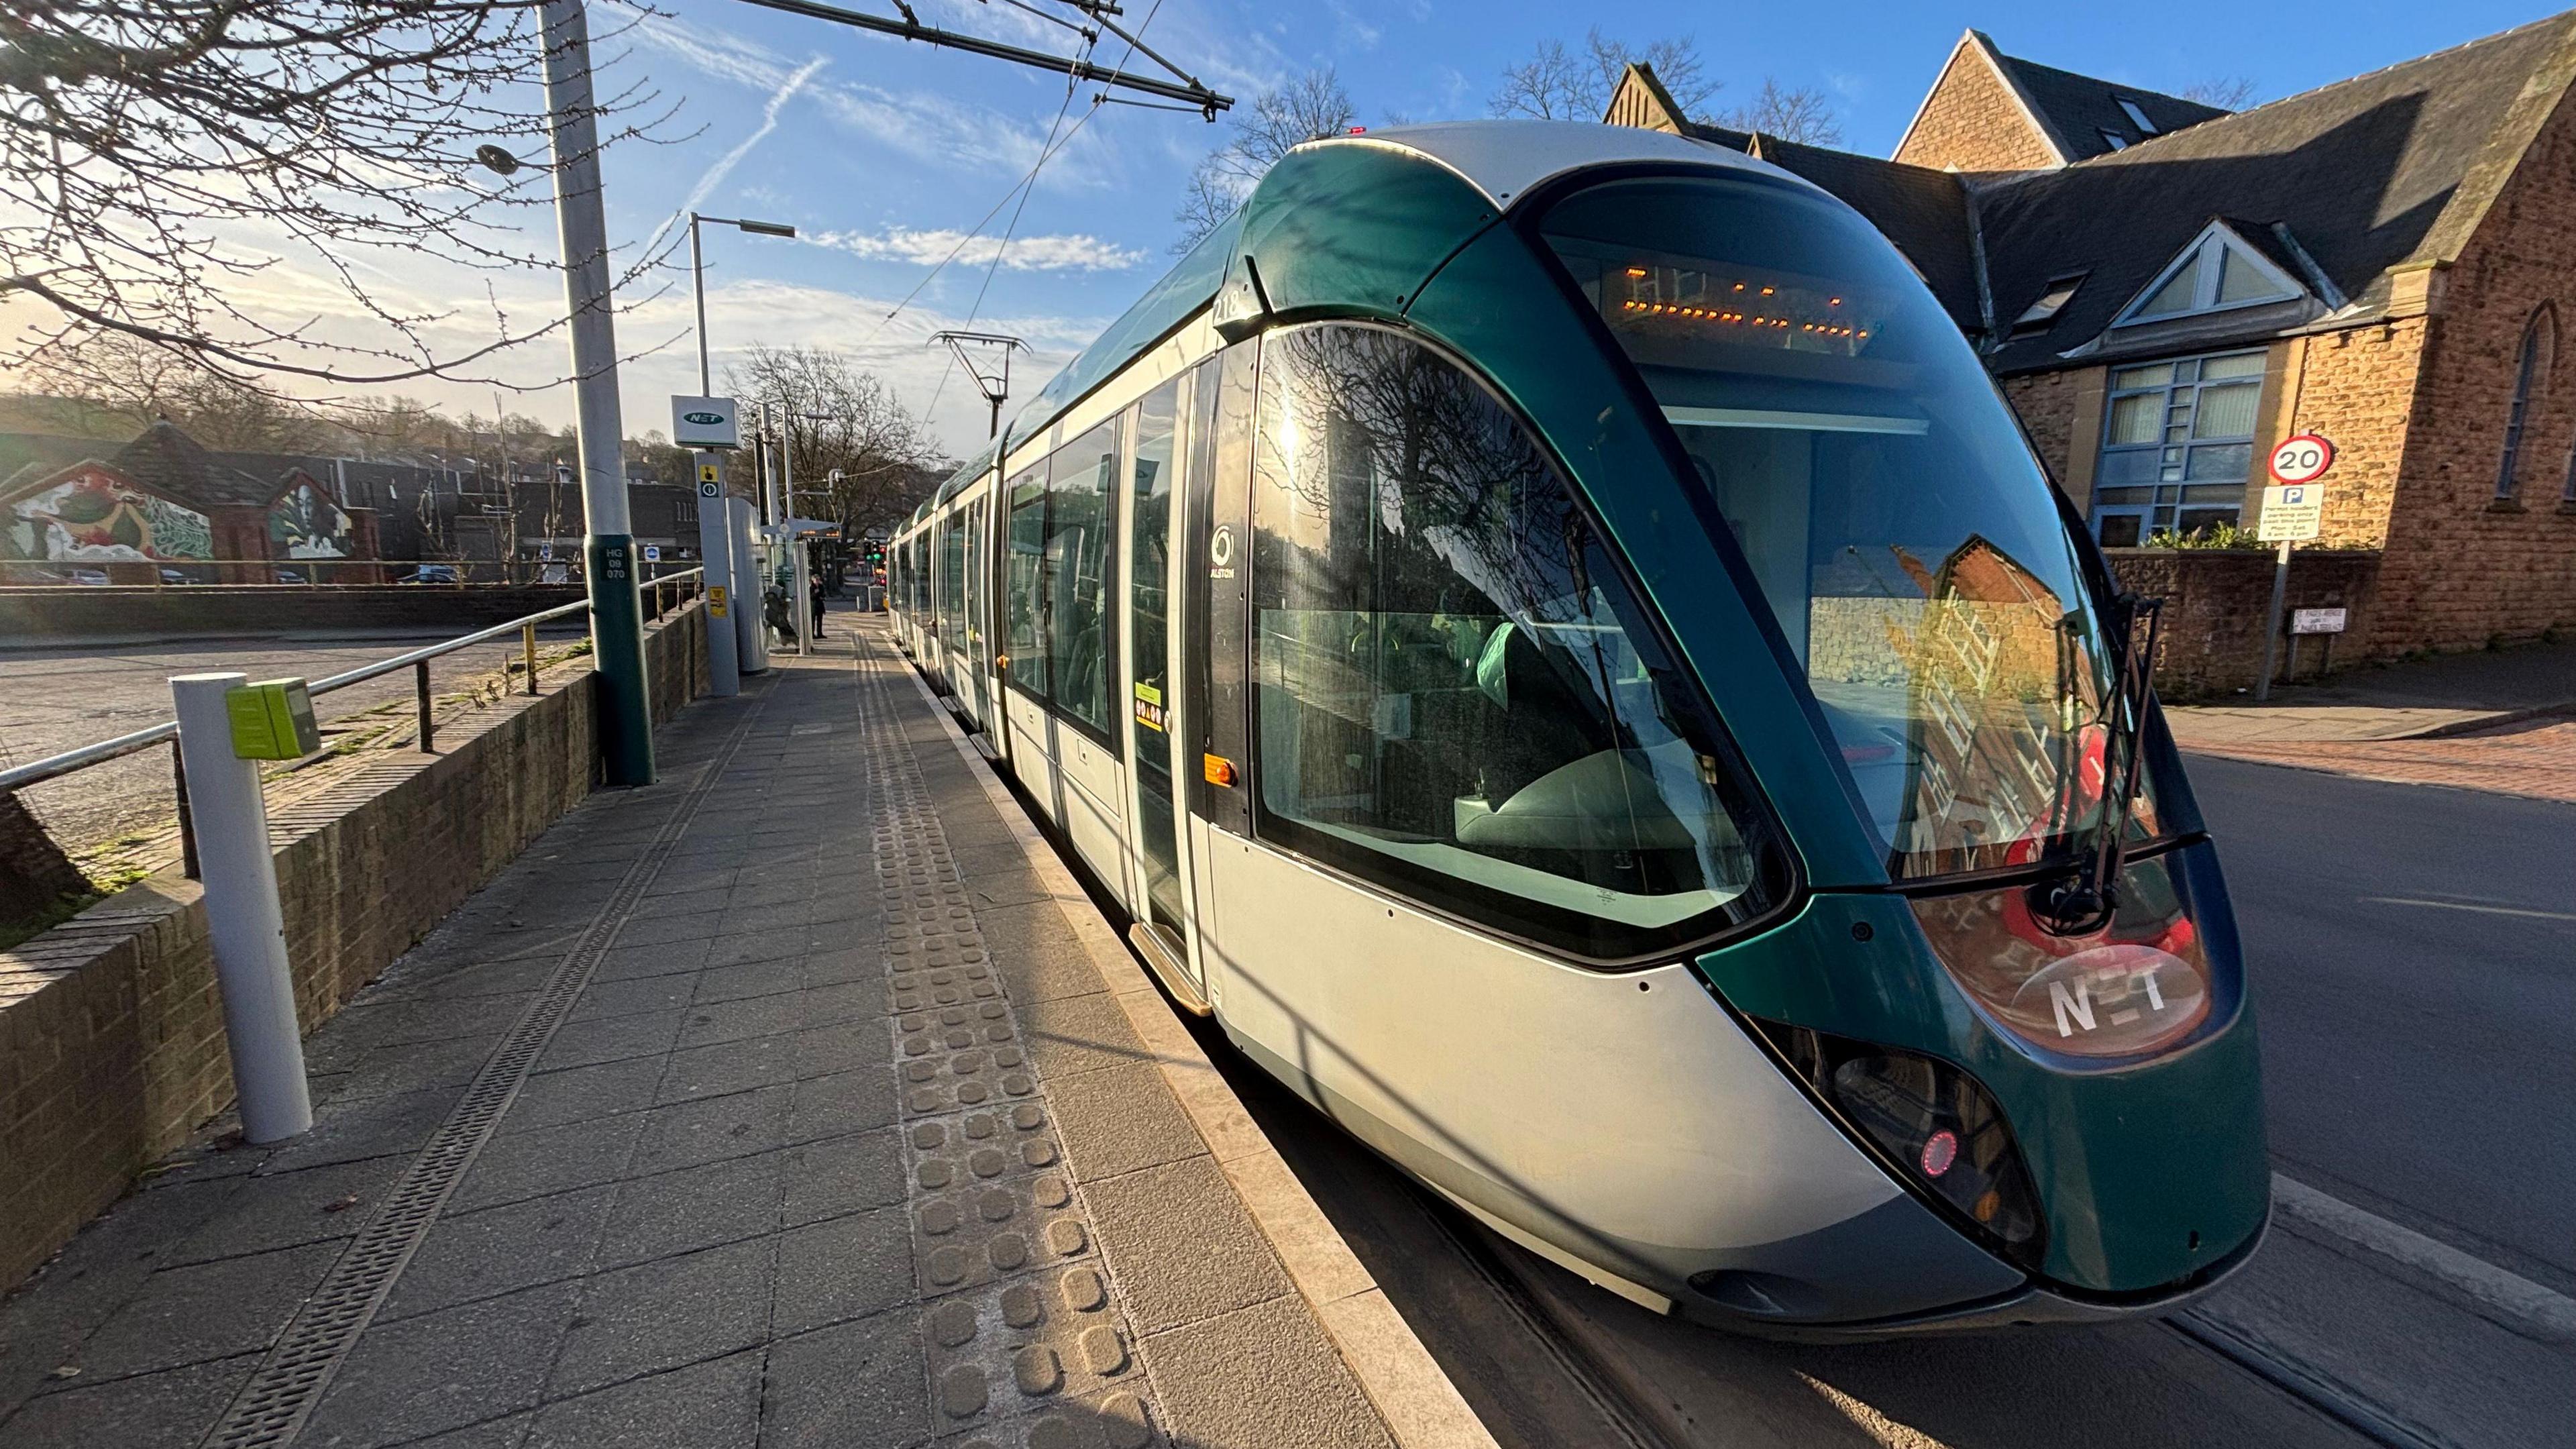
{"x":1026,"y":546}
{"x":1456,"y":694}
{"x":952,"y":581}
{"x":1081,"y":516}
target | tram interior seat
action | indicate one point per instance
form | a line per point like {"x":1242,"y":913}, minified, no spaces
{"x":1506,"y":752}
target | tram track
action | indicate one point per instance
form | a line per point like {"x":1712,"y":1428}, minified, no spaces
{"x":2317,"y":1389}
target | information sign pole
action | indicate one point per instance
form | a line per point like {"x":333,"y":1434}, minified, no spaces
{"x":2272,"y":621}
{"x":2293,"y":511}
{"x":715,"y":553}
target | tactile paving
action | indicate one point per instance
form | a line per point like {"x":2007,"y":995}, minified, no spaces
{"x":1027,"y":1342}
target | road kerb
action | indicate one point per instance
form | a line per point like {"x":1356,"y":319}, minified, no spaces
{"x":1404,"y":1383}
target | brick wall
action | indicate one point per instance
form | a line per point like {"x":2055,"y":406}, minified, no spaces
{"x":2461,"y":566}
{"x":2357,"y":388}
{"x":2215,"y":599}
{"x":111,"y":1032}
{"x":1972,"y":122}
{"x":2063,"y":413}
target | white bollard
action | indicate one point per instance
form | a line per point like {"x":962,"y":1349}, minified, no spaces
{"x":230,"y":818}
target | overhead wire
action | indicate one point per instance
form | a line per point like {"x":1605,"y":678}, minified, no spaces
{"x":1022,"y":190}
{"x":1027,"y":190}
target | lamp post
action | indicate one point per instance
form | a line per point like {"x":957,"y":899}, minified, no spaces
{"x":730,"y":642}
{"x":698,"y":276}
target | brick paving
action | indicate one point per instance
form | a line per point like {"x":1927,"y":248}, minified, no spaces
{"x":2534,"y":757}
{"x":826,"y":1134}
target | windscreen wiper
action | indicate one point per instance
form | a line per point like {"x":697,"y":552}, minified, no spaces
{"x":2086,"y":902}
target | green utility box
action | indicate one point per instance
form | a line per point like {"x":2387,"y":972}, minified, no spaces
{"x":272,"y":720}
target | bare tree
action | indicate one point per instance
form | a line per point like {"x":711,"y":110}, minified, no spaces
{"x":1802,"y":115}
{"x":1561,"y":84}
{"x":158,"y":154}
{"x":2227,"y":93}
{"x":1283,"y":117}
{"x":114,"y":384}
{"x":837,"y":417}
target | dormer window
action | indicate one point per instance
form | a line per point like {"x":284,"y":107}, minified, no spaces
{"x":2137,"y":118}
{"x":2115,"y":140}
{"x":2042,"y":314}
{"x":2216,"y":273}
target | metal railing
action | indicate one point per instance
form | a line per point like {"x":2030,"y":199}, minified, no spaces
{"x":666,"y":592}
{"x":297,"y":573}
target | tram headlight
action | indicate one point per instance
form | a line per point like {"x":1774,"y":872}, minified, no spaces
{"x":1939,"y":1126}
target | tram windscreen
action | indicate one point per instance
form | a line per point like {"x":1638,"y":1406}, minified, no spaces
{"x":1888,"y":507}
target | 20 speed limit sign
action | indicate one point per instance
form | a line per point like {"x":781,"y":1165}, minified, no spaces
{"x":2302,"y":459}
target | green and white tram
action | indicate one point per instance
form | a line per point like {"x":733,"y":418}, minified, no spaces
{"x":1560,"y":647}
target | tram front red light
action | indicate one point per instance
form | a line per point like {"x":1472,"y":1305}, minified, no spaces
{"x":1934,"y":1123}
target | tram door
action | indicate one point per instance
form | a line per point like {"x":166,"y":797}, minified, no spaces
{"x":1149,"y":647}
{"x":1155,"y":649}
{"x":970,"y":632}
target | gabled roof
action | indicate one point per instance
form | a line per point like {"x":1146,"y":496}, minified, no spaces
{"x":2078,"y":109}
{"x":2365,"y":177}
{"x":170,"y":463}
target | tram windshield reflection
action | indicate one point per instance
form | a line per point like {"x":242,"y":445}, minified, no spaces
{"x":1893,"y":517}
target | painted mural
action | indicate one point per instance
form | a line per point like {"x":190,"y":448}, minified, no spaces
{"x":303,"y":523}
{"x":96,"y":517}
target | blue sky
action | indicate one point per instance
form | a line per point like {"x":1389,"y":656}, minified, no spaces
{"x":880,"y":151}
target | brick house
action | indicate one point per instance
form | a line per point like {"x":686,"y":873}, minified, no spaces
{"x":161,"y":501}
{"x":2166,"y":290}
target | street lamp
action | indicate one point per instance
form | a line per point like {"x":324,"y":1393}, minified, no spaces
{"x":718,"y":539}
{"x":698,"y":277}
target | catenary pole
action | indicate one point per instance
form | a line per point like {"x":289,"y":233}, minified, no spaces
{"x":608,"y":553}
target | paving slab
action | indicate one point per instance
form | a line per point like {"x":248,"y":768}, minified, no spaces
{"x":745,"y":1109}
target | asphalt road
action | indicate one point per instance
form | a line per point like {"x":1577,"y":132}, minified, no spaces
{"x":53,"y":700}
{"x":2414,"y":957}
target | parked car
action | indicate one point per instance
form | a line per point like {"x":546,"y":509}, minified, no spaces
{"x":435,"y":574}
{"x":176,"y":576}
{"x":289,"y":576}
{"x":95,"y":578}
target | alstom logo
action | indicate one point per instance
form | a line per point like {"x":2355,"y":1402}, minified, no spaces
{"x":702,"y":418}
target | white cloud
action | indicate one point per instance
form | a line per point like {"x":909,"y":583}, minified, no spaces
{"x":1072,"y":252}
{"x":714,"y":175}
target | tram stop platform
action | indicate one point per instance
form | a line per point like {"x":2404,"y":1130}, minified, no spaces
{"x":800,"y":1099}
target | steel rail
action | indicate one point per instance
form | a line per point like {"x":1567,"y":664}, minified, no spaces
{"x":55,"y":766}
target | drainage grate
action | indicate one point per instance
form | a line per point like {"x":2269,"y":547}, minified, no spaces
{"x":272,"y":1407}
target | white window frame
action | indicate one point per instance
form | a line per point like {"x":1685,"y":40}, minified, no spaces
{"x":2136,"y":116}
{"x":2209,"y":250}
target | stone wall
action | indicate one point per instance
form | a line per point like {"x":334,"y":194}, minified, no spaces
{"x":70,"y":613}
{"x":112,"y":1044}
{"x":1973,"y":122}
{"x":2463,"y":564}
{"x":2215,"y":600}
{"x":2062,"y":412}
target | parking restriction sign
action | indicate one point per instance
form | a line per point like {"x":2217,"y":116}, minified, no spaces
{"x":2292,"y":513}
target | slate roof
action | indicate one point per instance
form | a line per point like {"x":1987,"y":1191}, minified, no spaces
{"x":2077,"y":109}
{"x":172,"y":464}
{"x":2367,"y":175}
{"x":2353,"y":181}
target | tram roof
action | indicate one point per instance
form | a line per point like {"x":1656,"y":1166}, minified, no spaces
{"x":1504,"y":160}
